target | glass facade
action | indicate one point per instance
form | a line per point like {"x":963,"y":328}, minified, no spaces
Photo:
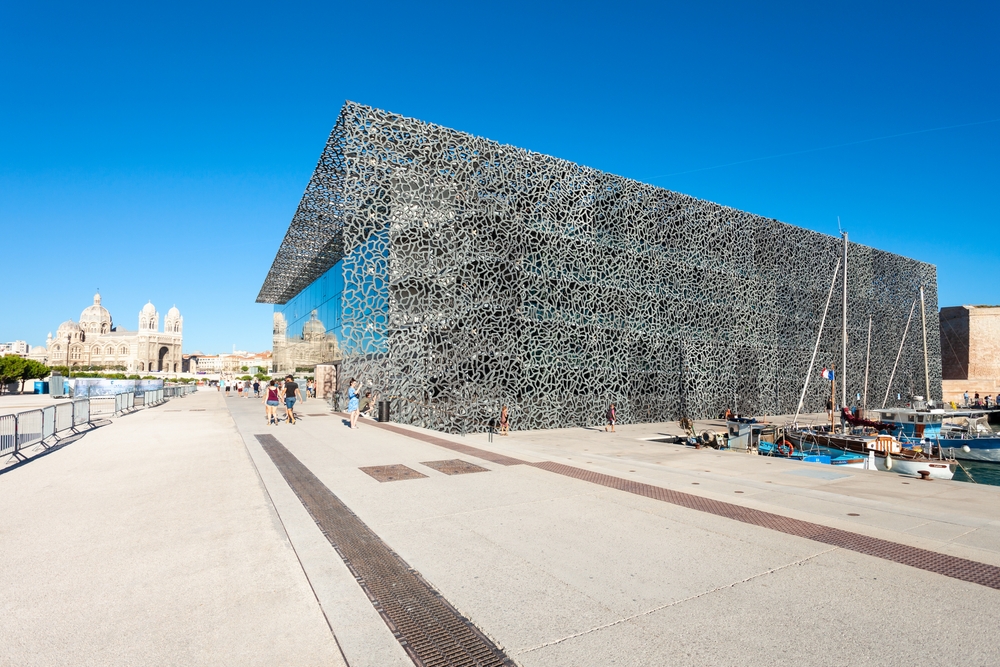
{"x":325,"y":295}
{"x":308,"y":330}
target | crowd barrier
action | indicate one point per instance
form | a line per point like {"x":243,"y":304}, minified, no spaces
{"x":33,"y":427}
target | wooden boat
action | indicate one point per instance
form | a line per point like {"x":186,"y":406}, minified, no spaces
{"x":886,"y":451}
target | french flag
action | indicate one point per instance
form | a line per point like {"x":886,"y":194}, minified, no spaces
{"x":828,"y":374}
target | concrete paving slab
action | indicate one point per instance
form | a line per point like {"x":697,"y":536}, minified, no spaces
{"x":561,"y":571}
{"x":151,"y":542}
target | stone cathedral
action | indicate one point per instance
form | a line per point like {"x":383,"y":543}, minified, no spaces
{"x":96,"y":341}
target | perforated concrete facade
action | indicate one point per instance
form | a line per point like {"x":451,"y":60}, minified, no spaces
{"x":477,"y":275}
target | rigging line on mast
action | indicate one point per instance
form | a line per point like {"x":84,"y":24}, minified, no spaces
{"x":819,"y":335}
{"x":906,"y":329}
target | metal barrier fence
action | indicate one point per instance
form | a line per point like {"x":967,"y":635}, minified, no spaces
{"x":8,"y":434}
{"x":32,"y":427}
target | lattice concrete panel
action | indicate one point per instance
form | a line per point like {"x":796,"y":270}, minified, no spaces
{"x":479,"y":274}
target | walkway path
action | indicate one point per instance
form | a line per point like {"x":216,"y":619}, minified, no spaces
{"x":563,"y":571}
{"x":153,"y":541}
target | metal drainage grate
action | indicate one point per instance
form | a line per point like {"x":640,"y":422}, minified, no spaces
{"x":429,"y":629}
{"x":318,"y":414}
{"x":454,"y":466}
{"x":392,"y":473}
{"x":483,"y":454}
{"x":932,"y":561}
{"x":196,"y":410}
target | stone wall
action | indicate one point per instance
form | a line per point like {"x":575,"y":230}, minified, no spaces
{"x":970,"y":343}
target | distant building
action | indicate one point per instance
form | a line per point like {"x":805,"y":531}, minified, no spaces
{"x":96,"y":341}
{"x":970,"y":351}
{"x":18,"y":347}
{"x":231,"y":364}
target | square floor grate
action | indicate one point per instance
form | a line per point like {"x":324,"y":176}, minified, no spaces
{"x":392,"y":473}
{"x":454,"y":466}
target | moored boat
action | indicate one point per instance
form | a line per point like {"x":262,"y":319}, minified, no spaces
{"x":887,"y":452}
{"x":973,"y":441}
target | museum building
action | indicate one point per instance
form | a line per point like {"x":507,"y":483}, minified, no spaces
{"x":455,"y":275}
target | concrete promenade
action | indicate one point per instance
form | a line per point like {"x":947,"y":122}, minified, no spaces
{"x":154,"y":541}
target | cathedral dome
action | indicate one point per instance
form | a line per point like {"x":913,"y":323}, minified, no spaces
{"x":149,"y":309}
{"x":95,"y":318}
{"x":69,"y":326}
{"x":313,"y":325}
{"x":173,"y":312}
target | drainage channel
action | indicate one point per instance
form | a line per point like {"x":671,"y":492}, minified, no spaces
{"x":428,"y":627}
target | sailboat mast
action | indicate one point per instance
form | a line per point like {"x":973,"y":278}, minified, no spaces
{"x":923,"y":322}
{"x":843,"y":333}
{"x":868,"y":357}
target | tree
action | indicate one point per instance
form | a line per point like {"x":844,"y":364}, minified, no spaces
{"x":33,"y":370}
{"x":11,"y":367}
{"x":244,"y":368}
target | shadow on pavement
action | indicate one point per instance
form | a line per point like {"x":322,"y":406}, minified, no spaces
{"x":42,"y":449}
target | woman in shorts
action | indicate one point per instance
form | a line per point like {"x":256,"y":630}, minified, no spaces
{"x":504,"y":421}
{"x":271,"y":402}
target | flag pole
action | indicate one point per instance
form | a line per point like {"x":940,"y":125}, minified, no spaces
{"x":833,"y":392}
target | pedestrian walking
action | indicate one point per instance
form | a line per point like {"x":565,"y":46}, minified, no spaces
{"x":271,"y":403}
{"x":256,"y":388}
{"x":239,"y":389}
{"x":353,"y":402}
{"x":504,"y":420}
{"x":292,"y":394}
{"x":228,"y":387}
{"x":966,"y":397}
{"x":612,"y":416}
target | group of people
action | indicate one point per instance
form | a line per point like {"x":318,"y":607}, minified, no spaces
{"x":276,"y":393}
{"x":985,"y":402}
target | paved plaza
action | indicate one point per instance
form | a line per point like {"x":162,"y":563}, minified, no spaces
{"x":176,"y":535}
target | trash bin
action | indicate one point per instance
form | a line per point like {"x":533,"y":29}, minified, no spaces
{"x":383,"y":411}
{"x":41,"y":387}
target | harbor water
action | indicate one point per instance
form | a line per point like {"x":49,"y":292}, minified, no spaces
{"x":982,"y":472}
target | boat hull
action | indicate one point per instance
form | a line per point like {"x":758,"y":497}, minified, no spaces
{"x":980,"y":449}
{"x":901,"y":464}
{"x":935,"y":469}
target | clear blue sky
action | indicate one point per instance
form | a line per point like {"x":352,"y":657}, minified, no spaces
{"x":158,"y":151}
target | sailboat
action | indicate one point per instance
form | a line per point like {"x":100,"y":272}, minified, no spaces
{"x":884,"y":450}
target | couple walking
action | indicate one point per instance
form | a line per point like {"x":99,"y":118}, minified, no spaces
{"x":276,"y":394}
